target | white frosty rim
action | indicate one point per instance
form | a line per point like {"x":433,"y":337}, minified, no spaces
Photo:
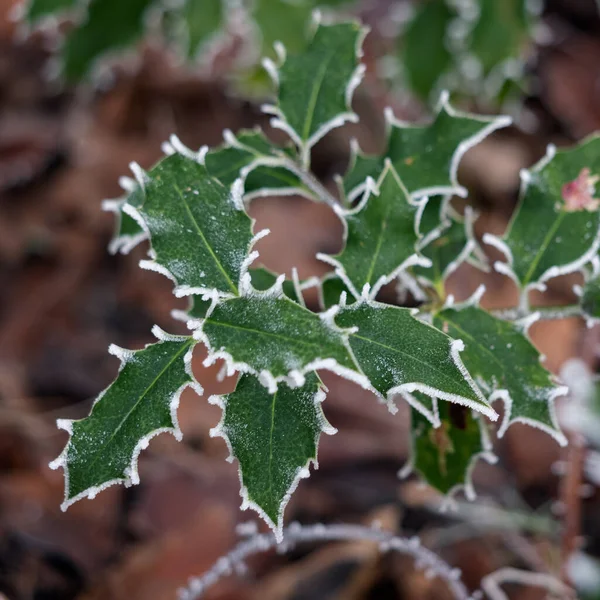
{"x":131,"y":475}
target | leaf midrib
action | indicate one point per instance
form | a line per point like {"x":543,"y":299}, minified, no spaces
{"x":312,"y":101}
{"x":201,"y":233}
{"x":547,"y":239}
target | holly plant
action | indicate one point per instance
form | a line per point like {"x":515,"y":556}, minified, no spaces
{"x":449,"y":361}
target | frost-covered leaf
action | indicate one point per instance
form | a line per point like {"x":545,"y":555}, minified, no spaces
{"x":202,"y":20}
{"x":590,"y":299}
{"x":380,"y":236}
{"x":425,"y":36}
{"x":200,"y":234}
{"x":315,"y":87}
{"x":399,"y":353}
{"x":274,"y":338}
{"x":446,"y":252}
{"x":555,"y":228}
{"x":38,"y":9}
{"x":500,"y":33}
{"x":426,"y":157}
{"x":274,"y":436}
{"x":444,"y":456}
{"x":507,"y":366}
{"x":263,"y":166}
{"x":108,"y":25}
{"x":103,"y":448}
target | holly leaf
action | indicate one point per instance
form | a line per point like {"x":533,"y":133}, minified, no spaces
{"x":446,"y":252}
{"x":506,"y":365}
{"x":202,"y":21}
{"x":142,"y":402}
{"x":315,"y":86}
{"x":426,"y":36}
{"x":265,"y":169}
{"x":108,"y":25}
{"x":36,"y":10}
{"x":274,"y":437}
{"x":380,"y":237}
{"x":426,"y":157}
{"x":555,"y":229}
{"x":445,"y":455}
{"x":399,"y":353}
{"x":589,"y":296}
{"x":269,"y":335}
{"x":199,"y":233}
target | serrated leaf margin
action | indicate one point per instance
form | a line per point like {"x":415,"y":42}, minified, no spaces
{"x":303,"y":472}
{"x":503,"y":394}
{"x":132,"y":478}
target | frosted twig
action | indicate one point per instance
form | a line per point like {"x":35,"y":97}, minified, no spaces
{"x":547,"y":313}
{"x":311,"y":182}
{"x":297,"y":534}
{"x":491,"y":583}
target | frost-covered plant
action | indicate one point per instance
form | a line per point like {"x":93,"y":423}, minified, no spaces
{"x":475,"y":48}
{"x":449,"y":361}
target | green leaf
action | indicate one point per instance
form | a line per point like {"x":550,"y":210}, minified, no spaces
{"x":202,"y":21}
{"x":380,"y":237}
{"x":446,"y":252}
{"x":275,"y":438}
{"x":274,"y":338}
{"x":109,"y":25}
{"x":35,"y":10}
{"x":500,"y":33}
{"x":262,"y":280}
{"x":590,"y":298}
{"x":142,"y":402}
{"x":556,"y":227}
{"x":426,"y":157}
{"x":265,"y":169}
{"x":399,"y":353}
{"x":426,"y":37}
{"x":507,"y":366}
{"x":200,"y":235}
{"x":445,"y":455}
{"x":315,"y":87}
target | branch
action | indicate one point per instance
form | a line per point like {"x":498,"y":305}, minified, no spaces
{"x":491,"y":583}
{"x":311,"y":182}
{"x":234,"y":562}
{"x":547,"y":313}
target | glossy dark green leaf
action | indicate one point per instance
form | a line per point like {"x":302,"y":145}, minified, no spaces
{"x":315,"y":86}
{"x":424,"y":51}
{"x":444,"y":456}
{"x":555,"y":228}
{"x":275,"y":338}
{"x":274,"y":437}
{"x":103,"y":448}
{"x":426,"y":157}
{"x":399,"y":353}
{"x":507,"y":366}
{"x":380,"y":237}
{"x":200,"y":234}
{"x":109,"y":25}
